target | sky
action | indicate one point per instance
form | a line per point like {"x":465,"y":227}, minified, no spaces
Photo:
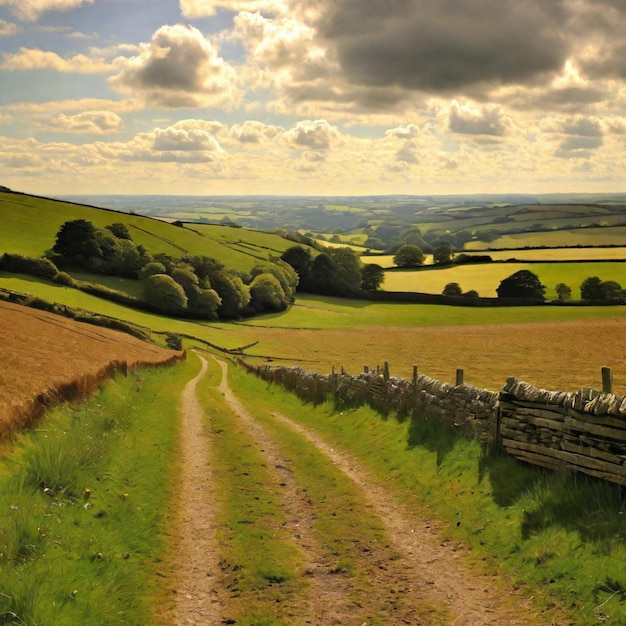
{"x":312,"y":97}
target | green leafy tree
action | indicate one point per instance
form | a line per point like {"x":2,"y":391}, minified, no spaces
{"x":299,"y":258}
{"x":409,"y":256}
{"x":372,"y":276}
{"x":76,"y":239}
{"x":120,"y":231}
{"x":234,"y":294}
{"x":164,"y":294}
{"x":452,"y":289}
{"x":564,"y":292}
{"x":611,"y":290}
{"x":522,"y":284}
{"x":267,"y":294}
{"x":443,"y":253}
{"x":152,"y":268}
{"x":591,"y":289}
{"x":472,"y":293}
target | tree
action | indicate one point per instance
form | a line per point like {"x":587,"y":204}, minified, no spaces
{"x":372,"y":276}
{"x":77,"y":239}
{"x":164,"y":293}
{"x":119,"y":230}
{"x":235,"y":295}
{"x":472,"y":293}
{"x":563,"y":292}
{"x":409,"y":256}
{"x":266,"y":294}
{"x":443,"y":253}
{"x":591,"y":289}
{"x":522,"y":284}
{"x":300,"y":260}
{"x":611,"y":290}
{"x":452,"y":289}
{"x":150,"y":269}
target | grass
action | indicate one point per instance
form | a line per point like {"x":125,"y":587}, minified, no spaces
{"x":558,"y":533}
{"x":486,"y":278}
{"x":237,"y":248}
{"x":84,"y":501}
{"x":265,"y":573}
{"x":575,"y":237}
{"x":261,"y":567}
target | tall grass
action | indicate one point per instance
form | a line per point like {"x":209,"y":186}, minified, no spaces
{"x":84,"y":503}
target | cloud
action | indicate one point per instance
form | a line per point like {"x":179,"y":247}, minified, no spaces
{"x":187,"y":141}
{"x":179,"y":139}
{"x":194,"y":9}
{"x":312,"y":135}
{"x":94,"y":122}
{"x":31,"y":10}
{"x":35,"y":59}
{"x":253,"y":132}
{"x":8,"y":28}
{"x":485,"y":121}
{"x":445,"y":46}
{"x":179,"y":68}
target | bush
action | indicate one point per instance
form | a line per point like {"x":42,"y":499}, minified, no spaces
{"x":28,"y":265}
{"x":63,"y":278}
{"x":174,"y":341}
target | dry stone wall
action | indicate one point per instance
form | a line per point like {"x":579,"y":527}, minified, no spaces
{"x":583,"y":431}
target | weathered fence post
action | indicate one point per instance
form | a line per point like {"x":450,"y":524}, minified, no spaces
{"x":414,"y":377}
{"x":366,"y":369}
{"x":386,"y":372}
{"x":459,"y":376}
{"x":607,"y":380}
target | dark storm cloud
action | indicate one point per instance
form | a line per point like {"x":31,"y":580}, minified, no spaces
{"x":448,"y":44}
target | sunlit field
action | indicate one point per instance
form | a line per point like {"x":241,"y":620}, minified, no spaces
{"x":486,"y":278}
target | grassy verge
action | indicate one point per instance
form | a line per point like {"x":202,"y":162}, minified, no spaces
{"x":562,"y":535}
{"x":260,"y":564}
{"x":84,"y":502}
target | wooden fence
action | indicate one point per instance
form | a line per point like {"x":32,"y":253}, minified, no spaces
{"x":583,"y":431}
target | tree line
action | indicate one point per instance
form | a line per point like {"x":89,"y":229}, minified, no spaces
{"x":192,"y":285}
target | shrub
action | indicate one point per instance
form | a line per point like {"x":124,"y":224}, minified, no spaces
{"x":28,"y":265}
{"x":63,"y":278}
{"x":174,"y":341}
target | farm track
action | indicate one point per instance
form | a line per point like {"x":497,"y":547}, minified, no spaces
{"x":416,"y":579}
{"x":197,"y":600}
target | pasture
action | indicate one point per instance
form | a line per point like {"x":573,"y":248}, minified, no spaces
{"x":606,"y":236}
{"x":564,"y":347}
{"x":485,"y":278}
{"x":237,"y":248}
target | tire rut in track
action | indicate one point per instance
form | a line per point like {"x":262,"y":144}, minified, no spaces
{"x":429,"y":571}
{"x":196,"y":589}
{"x":330,"y":602}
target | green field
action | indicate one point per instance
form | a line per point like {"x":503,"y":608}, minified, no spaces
{"x":614,"y":236}
{"x":486,"y":278}
{"x":30,"y":225}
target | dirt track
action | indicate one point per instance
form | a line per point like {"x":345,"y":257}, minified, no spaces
{"x":426,"y":582}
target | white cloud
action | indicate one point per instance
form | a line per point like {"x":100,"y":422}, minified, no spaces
{"x":312,"y":135}
{"x":193,"y":9}
{"x":95,"y":122}
{"x":35,"y":59}
{"x":179,"y":68}
{"x":31,"y":10}
{"x":253,"y":132}
{"x":8,"y":28}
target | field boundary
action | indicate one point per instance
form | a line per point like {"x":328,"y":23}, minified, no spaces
{"x":582,"y":431}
